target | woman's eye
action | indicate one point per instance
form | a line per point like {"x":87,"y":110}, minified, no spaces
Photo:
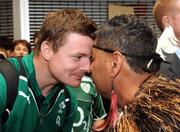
{"x":91,"y":59}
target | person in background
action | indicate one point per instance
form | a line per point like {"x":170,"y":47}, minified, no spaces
{"x":61,"y":57}
{"x":125,"y":64}
{"x":6,"y":47}
{"x":91,"y":113}
{"x":21,"y":47}
{"x":167,"y":16}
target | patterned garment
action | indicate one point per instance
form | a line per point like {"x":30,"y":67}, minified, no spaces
{"x":156,"y":108}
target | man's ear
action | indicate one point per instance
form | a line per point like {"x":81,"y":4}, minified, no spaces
{"x":117,"y":62}
{"x":46,"y":50}
{"x":165,"y":21}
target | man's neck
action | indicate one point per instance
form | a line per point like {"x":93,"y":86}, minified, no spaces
{"x":45,"y":81}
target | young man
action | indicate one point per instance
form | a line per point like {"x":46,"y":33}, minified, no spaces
{"x":90,"y":110}
{"x":61,"y":58}
{"x":125,"y":62}
{"x":167,"y":16}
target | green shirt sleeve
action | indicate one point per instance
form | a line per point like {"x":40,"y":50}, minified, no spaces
{"x":3,"y":97}
{"x":98,"y":108}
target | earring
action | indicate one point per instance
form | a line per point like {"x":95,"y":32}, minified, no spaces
{"x":113,"y":112}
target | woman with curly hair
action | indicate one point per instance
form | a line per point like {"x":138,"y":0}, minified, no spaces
{"x":125,"y":68}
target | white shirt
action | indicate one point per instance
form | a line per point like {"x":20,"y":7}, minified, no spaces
{"x":167,"y":42}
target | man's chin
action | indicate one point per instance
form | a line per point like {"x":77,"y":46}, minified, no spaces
{"x":76,"y":84}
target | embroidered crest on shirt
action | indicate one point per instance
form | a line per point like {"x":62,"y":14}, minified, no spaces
{"x":85,"y":87}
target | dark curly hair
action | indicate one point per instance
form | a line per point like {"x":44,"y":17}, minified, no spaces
{"x":132,"y":36}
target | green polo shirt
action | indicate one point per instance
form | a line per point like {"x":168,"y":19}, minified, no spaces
{"x":33,"y":112}
{"x":90,"y":106}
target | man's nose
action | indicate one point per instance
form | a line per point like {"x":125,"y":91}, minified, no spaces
{"x":86,"y":66}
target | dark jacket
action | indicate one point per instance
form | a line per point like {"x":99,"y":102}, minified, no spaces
{"x":172,"y":69}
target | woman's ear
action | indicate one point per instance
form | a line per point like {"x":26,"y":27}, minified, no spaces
{"x":46,"y":50}
{"x":117,"y":62}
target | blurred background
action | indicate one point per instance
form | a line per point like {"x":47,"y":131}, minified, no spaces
{"x":21,"y":19}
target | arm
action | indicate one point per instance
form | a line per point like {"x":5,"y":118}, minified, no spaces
{"x":99,"y":114}
{"x":99,"y":125}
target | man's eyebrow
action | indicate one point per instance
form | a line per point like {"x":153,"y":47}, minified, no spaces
{"x":80,"y":54}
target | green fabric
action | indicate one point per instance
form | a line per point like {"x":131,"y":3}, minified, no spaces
{"x":26,"y":116}
{"x":90,"y":106}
